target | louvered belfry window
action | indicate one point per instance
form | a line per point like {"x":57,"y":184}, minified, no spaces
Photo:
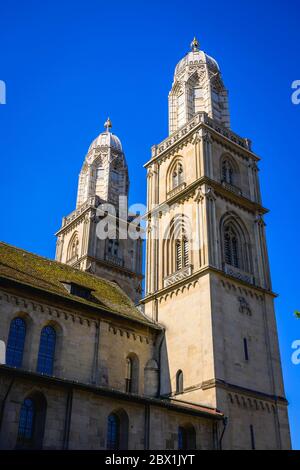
{"x":182,"y":253}
{"x":231,"y":247}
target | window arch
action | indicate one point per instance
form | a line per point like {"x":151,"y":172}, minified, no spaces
{"x":113,"y":432}
{"x":73,"y":247}
{"x":186,"y":437}
{"x":15,"y":342}
{"x":175,"y":174}
{"x":117,"y":430}
{"x":46,"y":350}
{"x":132,"y":374}
{"x":177,"y":253}
{"x":229,"y":171}
{"x":236,"y":247}
{"x":179,"y":381}
{"x":32,"y":422}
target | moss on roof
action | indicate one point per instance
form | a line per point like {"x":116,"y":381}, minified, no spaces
{"x":49,"y":275}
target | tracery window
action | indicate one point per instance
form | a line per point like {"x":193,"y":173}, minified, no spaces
{"x":15,"y":343}
{"x":46,"y":350}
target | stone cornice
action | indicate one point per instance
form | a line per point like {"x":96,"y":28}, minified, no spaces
{"x":57,"y":301}
{"x":218,"y":383}
{"x":177,"y":286}
{"x":185,"y":133}
{"x":184,"y":407}
{"x":109,"y":265}
{"x":189,"y":191}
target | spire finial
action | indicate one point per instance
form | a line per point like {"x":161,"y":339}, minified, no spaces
{"x":195,"y":44}
{"x":108,"y":124}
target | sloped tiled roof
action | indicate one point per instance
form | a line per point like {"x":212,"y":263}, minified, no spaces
{"x":49,"y":275}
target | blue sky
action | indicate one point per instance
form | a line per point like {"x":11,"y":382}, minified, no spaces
{"x":69,"y":64}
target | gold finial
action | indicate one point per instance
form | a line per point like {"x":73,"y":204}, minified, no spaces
{"x":195,"y":44}
{"x":108,"y":124}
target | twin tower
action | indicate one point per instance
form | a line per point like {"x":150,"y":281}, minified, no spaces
{"x":207,"y":272}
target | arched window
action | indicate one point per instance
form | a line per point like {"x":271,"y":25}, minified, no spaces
{"x":128,"y":378}
{"x":227,"y":172}
{"x":177,"y":175}
{"x":181,"y":253}
{"x":15,"y":343}
{"x":132,"y":374}
{"x":46,"y":350}
{"x":32,"y":422}
{"x":231,"y":246}
{"x":179,"y":381}
{"x":186,"y":437}
{"x":73,"y":248}
{"x":26,"y":423}
{"x":113,"y":432}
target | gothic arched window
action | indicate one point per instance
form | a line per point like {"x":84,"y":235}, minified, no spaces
{"x":73,"y":248}
{"x":132,"y":373}
{"x":179,"y":381}
{"x":32,"y":422}
{"x":231,"y":246}
{"x":227,"y":172}
{"x":15,"y":343}
{"x":46,"y":350}
{"x":113,"y":432}
{"x":26,"y":423}
{"x":128,"y":378}
{"x":181,"y":253}
{"x":177,"y":175}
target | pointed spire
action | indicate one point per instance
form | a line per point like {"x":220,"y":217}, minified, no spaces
{"x":108,"y":124}
{"x":195,"y":44}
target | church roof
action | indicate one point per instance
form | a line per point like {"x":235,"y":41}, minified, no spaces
{"x":52,"y":277}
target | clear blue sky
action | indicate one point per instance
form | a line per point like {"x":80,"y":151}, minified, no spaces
{"x":70,"y":64}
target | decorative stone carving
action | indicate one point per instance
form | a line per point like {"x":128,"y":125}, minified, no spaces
{"x":244,"y":306}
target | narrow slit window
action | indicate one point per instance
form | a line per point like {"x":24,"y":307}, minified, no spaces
{"x":246,"y":353}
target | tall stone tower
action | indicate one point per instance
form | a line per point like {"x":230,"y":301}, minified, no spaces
{"x":102,"y":193}
{"x":207,"y":271}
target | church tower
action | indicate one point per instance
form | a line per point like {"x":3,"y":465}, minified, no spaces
{"x":207,"y":272}
{"x":103,"y":194}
